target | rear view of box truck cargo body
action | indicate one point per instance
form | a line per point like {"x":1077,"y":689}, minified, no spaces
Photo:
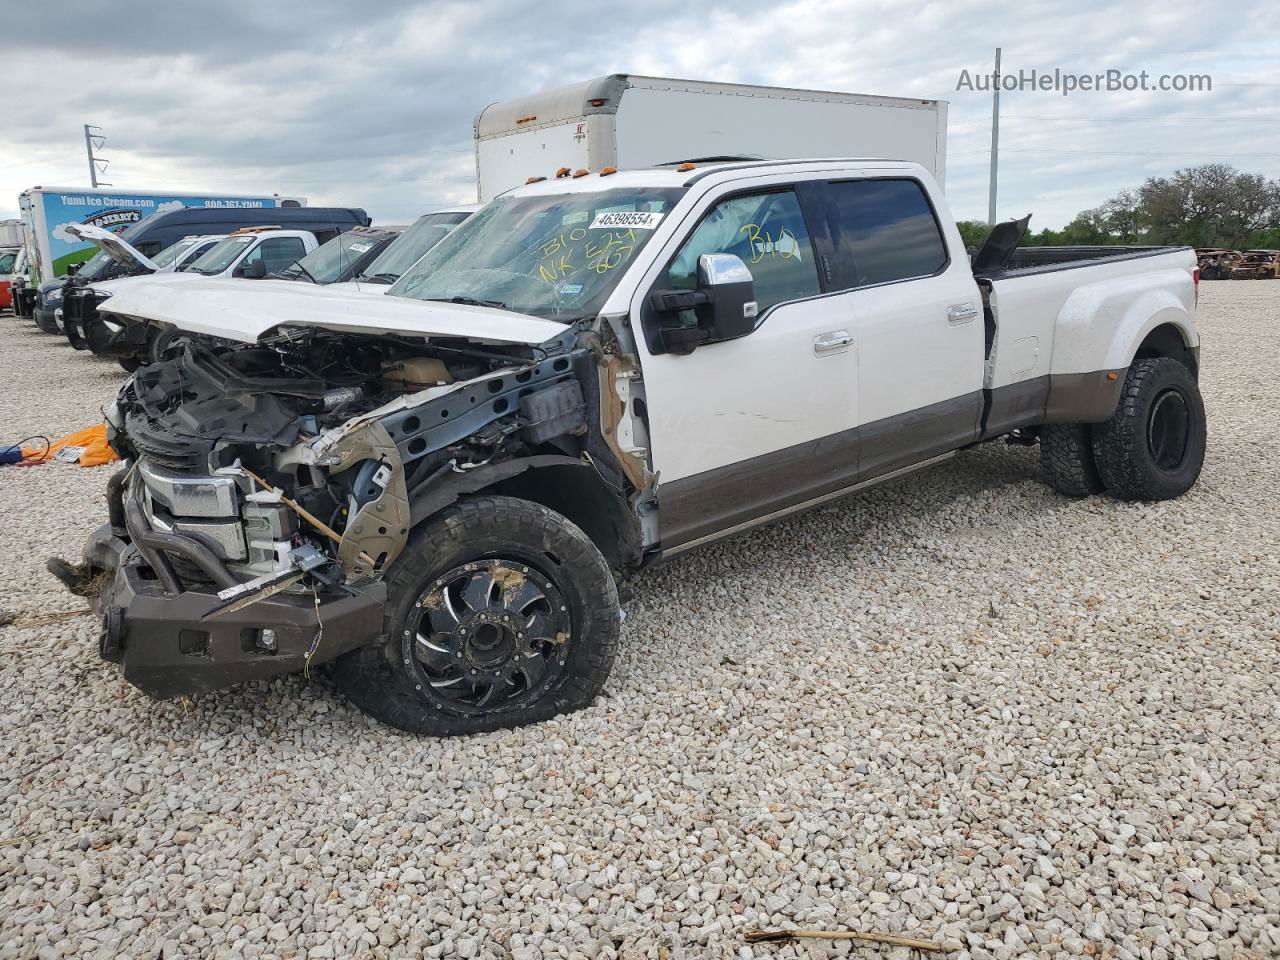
{"x":627,"y":121}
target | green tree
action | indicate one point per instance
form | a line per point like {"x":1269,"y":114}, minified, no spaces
{"x":973,"y":233}
{"x":1213,"y":205}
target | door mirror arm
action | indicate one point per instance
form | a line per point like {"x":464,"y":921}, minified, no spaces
{"x":724,"y":306}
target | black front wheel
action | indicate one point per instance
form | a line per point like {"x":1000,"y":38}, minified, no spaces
{"x":500,"y":613}
{"x":1153,"y":446}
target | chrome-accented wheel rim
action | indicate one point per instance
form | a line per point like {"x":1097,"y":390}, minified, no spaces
{"x":487,"y":636}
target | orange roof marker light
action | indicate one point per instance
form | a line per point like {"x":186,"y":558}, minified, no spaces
{"x":686,"y":167}
{"x":580,"y":172}
{"x":562,"y":173}
{"x":608,"y":171}
{"x":535,"y":180}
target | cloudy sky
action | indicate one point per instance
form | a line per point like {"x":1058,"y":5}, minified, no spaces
{"x":371,"y":104}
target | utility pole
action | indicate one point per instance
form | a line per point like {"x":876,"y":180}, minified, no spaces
{"x":92,"y":140}
{"x":995,"y":141}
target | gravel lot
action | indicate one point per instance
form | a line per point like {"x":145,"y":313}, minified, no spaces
{"x":960,"y":706}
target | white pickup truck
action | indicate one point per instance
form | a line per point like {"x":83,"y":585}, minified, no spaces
{"x":435,"y":489}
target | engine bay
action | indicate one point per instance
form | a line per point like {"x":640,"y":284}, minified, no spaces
{"x":324,"y":434}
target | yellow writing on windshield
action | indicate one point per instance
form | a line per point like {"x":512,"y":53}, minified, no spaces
{"x":565,"y":253}
{"x":610,"y":250}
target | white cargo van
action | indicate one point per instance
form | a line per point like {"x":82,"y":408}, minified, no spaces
{"x":628,"y":121}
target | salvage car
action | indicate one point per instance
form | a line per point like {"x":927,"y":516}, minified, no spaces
{"x":342,"y":258}
{"x":154,"y":233}
{"x":250,"y":253}
{"x":379,"y":274}
{"x":1256,"y":265}
{"x":1216,"y":262}
{"x":435,"y":490}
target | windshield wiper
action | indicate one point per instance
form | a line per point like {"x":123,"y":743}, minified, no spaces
{"x":471,"y":302}
{"x":305,"y":272}
{"x":381,"y":278}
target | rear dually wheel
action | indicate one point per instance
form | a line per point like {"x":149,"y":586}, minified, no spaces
{"x":1153,"y":446}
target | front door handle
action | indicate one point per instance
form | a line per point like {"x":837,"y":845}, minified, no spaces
{"x":961,"y":313}
{"x":835,"y":341}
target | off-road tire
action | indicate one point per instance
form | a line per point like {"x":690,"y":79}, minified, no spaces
{"x":380,"y":682}
{"x":1066,"y":459}
{"x":1129,"y":465}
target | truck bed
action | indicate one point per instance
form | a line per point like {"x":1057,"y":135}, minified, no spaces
{"x":1027,"y":260}
{"x":1065,"y":319}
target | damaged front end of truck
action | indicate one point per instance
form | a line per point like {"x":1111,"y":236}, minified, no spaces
{"x":270,"y":486}
{"x":434,"y":487}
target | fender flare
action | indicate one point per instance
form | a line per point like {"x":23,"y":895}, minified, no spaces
{"x":1102,"y":324}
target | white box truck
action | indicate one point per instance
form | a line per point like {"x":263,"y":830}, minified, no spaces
{"x":10,"y":233}
{"x":47,"y":211}
{"x":628,"y":121}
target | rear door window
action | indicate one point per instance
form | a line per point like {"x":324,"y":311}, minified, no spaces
{"x":887,"y":231}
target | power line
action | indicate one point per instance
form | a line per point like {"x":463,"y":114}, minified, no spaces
{"x":1115,"y":153}
{"x":1023,"y":116}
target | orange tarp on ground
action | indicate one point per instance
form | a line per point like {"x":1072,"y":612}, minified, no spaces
{"x":93,"y":439}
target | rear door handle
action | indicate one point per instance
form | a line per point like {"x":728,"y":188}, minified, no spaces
{"x":833,"y":342}
{"x":961,"y":313}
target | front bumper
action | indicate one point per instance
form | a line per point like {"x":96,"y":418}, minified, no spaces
{"x":83,"y":327}
{"x":24,"y":302}
{"x":46,"y":318}
{"x":152,"y":623}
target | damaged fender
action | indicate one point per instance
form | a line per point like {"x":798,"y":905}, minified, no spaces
{"x":379,"y":528}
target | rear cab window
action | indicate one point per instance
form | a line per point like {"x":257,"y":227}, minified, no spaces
{"x":886,"y":231}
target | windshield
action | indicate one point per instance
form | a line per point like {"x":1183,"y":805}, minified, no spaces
{"x":221,"y":256}
{"x":172,"y":252}
{"x":408,"y":248}
{"x":555,"y":256}
{"x":333,"y":260}
{"x":103,"y":267}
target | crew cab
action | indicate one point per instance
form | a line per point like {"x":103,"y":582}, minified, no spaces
{"x":436,"y":489}
{"x":248,"y":253}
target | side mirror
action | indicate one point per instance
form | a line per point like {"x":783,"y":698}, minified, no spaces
{"x":724,"y":305}
{"x":252,"y":271}
{"x":74,"y":269}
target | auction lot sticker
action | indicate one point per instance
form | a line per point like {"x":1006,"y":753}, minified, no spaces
{"x":626,"y":220}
